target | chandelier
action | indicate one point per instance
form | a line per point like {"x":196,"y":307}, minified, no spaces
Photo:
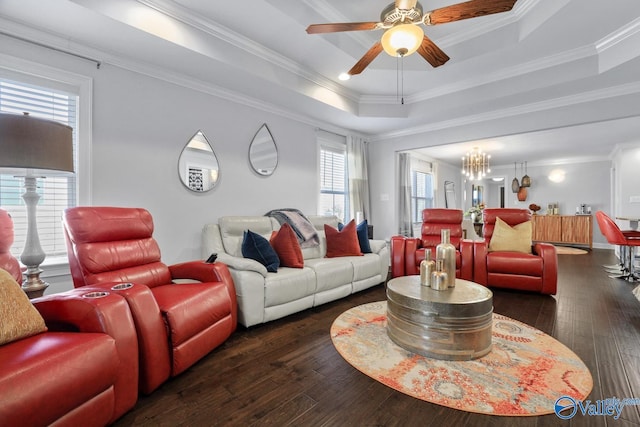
{"x":475,"y":165}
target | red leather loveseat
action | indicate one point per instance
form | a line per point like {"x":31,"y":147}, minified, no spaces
{"x":177,"y":323}
{"x":408,"y":252}
{"x":536,"y":271}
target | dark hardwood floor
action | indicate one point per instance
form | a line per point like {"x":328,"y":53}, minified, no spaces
{"x":287,"y":372}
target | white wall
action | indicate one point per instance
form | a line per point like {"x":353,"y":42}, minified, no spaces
{"x":140,"y":126}
{"x":626,"y":175}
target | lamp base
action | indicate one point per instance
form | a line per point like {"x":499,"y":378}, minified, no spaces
{"x":33,"y":285}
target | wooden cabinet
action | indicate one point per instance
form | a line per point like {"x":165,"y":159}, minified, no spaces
{"x":571,"y":229}
{"x":547,"y":228}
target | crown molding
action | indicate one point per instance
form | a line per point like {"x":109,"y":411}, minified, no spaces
{"x":111,"y":59}
{"x":624,"y":32}
{"x":564,"y":101}
{"x":227,"y":35}
{"x":480,"y":79}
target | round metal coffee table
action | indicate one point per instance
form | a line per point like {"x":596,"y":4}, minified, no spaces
{"x":453,"y":324}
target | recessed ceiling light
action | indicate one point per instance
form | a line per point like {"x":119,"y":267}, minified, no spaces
{"x":344,"y":76}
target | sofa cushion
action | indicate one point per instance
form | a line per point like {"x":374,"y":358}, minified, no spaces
{"x":290,"y":284}
{"x":18,"y":317}
{"x":256,"y":247}
{"x":286,"y":245}
{"x":342,"y":242}
{"x":511,"y":239}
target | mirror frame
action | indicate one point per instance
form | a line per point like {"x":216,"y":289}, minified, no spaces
{"x":260,"y":172}
{"x":182,"y":174}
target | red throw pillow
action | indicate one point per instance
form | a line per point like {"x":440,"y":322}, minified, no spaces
{"x":342,"y":243}
{"x":286,"y":245}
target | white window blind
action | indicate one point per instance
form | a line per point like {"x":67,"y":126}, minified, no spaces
{"x":56,"y":193}
{"x":333,"y":182}
{"x":422,"y":194}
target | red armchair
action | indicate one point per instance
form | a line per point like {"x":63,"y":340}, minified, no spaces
{"x":7,"y":261}
{"x":82,"y":371}
{"x":408,"y":252}
{"x":537,"y":272}
{"x":177,"y":324}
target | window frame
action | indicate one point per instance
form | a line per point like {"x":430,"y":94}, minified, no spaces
{"x":415,"y":212}
{"x":337,"y":144}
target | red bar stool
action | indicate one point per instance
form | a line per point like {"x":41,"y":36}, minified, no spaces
{"x":628,"y":240}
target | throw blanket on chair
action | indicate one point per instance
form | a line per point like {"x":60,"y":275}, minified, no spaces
{"x":305,"y":231}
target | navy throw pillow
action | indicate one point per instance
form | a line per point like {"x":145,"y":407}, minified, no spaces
{"x":362,"y":230}
{"x":256,"y":247}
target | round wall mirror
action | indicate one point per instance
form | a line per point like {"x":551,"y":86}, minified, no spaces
{"x":263,"y":153}
{"x":198,"y":165}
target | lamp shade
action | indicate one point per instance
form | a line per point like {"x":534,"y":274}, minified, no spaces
{"x":402,"y":39}
{"x":32,"y":143}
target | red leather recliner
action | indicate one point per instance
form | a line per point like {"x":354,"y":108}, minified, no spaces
{"x":177,"y":324}
{"x":537,"y":272}
{"x":408,"y":252}
{"x":7,"y":261}
{"x":82,"y":371}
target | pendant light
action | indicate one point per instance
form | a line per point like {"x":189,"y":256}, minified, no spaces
{"x":515,"y":185}
{"x":526,"y":181}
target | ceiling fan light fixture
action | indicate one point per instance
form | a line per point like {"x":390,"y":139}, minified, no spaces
{"x":402,"y":39}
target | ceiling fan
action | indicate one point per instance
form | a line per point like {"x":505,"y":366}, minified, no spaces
{"x":403,"y":35}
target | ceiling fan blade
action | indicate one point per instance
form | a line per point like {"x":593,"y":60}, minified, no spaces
{"x":338,"y":27}
{"x":406,"y":4}
{"x":469,"y":9}
{"x":366,"y":59}
{"x":432,"y":53}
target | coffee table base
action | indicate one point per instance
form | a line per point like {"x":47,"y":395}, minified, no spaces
{"x":451,"y":325}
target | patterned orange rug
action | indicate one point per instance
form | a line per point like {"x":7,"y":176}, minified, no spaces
{"x":523,"y":375}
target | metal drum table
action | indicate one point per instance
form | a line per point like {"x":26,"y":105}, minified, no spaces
{"x":452,"y":324}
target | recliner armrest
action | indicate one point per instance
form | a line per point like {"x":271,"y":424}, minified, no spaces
{"x":397,"y":255}
{"x":480,"y":251}
{"x":242,"y":264}
{"x":106,"y":313}
{"x":377,"y":245}
{"x":550,"y":261}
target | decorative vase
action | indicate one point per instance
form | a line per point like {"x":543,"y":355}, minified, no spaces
{"x":439,"y":277}
{"x":522,"y":194}
{"x":447,"y":252}
{"x":427,"y":266}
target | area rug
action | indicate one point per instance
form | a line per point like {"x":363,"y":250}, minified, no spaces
{"x":567,"y":250}
{"x":523,"y":375}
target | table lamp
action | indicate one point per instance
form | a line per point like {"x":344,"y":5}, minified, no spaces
{"x":33,"y":148}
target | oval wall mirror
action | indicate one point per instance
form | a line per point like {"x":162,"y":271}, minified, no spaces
{"x":263,"y":153}
{"x":198,"y":165}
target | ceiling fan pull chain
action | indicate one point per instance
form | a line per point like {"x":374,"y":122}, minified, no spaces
{"x":402,"y":79}
{"x":397,"y":78}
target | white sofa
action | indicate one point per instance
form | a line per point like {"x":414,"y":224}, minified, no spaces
{"x":264,"y":296}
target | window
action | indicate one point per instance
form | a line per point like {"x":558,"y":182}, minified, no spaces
{"x":333,"y":182}
{"x":56,"y":193}
{"x":421,"y":193}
